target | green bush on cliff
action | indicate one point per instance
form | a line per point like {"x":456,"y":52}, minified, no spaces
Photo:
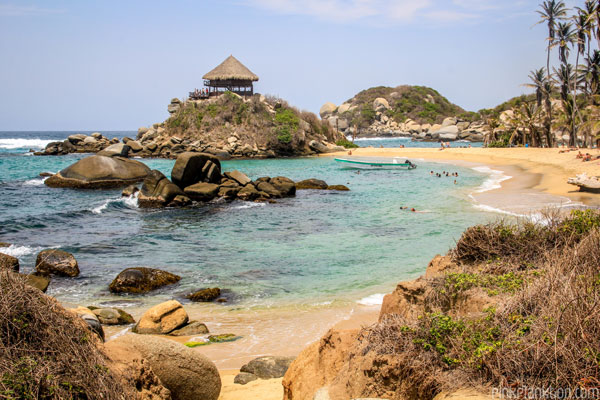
{"x":287,"y":123}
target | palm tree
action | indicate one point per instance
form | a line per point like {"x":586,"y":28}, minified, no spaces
{"x":542,"y":94}
{"x":566,"y":36}
{"x":592,"y":75}
{"x":565,"y":77}
{"x":585,"y":26}
{"x":551,"y":12}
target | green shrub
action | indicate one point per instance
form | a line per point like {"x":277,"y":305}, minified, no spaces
{"x":346,"y":143}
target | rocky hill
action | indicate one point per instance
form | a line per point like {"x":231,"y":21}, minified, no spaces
{"x":231,"y":126}
{"x":416,"y":111}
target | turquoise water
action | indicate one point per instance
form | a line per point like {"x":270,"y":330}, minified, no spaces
{"x":320,"y":246}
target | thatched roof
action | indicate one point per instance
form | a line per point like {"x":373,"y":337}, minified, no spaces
{"x":229,"y":69}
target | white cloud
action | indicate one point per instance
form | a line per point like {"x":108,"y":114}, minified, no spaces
{"x":346,"y":10}
{"x":10,"y":10}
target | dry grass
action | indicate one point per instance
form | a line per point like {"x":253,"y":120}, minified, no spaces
{"x":47,"y":352}
{"x":546,"y":333}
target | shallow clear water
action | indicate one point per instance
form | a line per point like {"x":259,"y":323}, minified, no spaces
{"x":318,"y":247}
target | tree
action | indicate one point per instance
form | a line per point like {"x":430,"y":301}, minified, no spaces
{"x":543,"y":90}
{"x":551,"y":12}
{"x":565,"y":77}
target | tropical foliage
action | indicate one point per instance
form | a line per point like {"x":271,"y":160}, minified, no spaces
{"x":567,"y":96}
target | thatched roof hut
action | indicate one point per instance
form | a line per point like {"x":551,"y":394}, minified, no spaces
{"x":231,"y":69}
{"x":230,"y":75}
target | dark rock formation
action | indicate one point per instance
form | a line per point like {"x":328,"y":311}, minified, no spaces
{"x":268,"y":367}
{"x":158,"y":191}
{"x":312,"y":184}
{"x":56,"y":262}
{"x":205,"y":295}
{"x":191,"y":168}
{"x":141,"y":280}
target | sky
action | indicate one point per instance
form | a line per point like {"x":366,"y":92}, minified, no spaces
{"x":116,"y":64}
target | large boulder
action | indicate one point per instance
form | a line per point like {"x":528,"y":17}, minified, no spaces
{"x":158,"y":191}
{"x":185,"y":372}
{"x":381,"y":104}
{"x":135,"y":372}
{"x":202,"y":191}
{"x":448,"y":132}
{"x":141,"y":280}
{"x":9,"y":262}
{"x":38,"y":282}
{"x":115,"y":150}
{"x":191,"y":168}
{"x":268,"y":367}
{"x":162,"y":319}
{"x":90,"y":319}
{"x":248,"y":193}
{"x":56,"y":262}
{"x":586,"y":183}
{"x":191,"y":329}
{"x":96,"y":172}
{"x":319,"y":147}
{"x":326,"y":109}
{"x":268,"y":189}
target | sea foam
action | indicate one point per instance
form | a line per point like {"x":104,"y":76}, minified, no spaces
{"x":129,"y":201}
{"x":494,"y":180}
{"x":19,"y":143}
{"x":372,"y":300}
{"x":19,"y":251}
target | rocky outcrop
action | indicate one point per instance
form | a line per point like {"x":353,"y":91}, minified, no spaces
{"x":405,"y":111}
{"x":78,"y":143}
{"x":38,"y":282}
{"x":135,"y":372}
{"x":318,"y":365}
{"x":56,"y":262}
{"x":159,"y":191}
{"x":586,"y":183}
{"x":185,"y":372}
{"x":99,"y":172}
{"x":312,"y":184}
{"x":142,"y":280}
{"x":9,"y":263}
{"x":162,"y":319}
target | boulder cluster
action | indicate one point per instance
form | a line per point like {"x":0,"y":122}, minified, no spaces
{"x":451,"y":129}
{"x":78,"y":143}
{"x":197,"y":177}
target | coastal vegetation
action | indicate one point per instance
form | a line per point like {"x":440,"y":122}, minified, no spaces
{"x":565,"y":105}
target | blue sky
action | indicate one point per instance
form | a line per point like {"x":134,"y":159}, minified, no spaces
{"x":112,"y":65}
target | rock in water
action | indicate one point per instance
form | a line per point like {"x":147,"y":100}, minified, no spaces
{"x":185,"y":372}
{"x":141,"y":280}
{"x":284,"y":185}
{"x":192,"y":328}
{"x":9,"y":262}
{"x":193,"y":167}
{"x":268,"y":367}
{"x":56,"y":262}
{"x":202,"y":191}
{"x":162,"y":319}
{"x":312,"y":184}
{"x":158,"y":191}
{"x":99,"y":172}
{"x":129,"y":190}
{"x":340,"y":188}
{"x":205,"y":295}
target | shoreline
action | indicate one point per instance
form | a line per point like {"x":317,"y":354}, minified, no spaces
{"x":541,"y":170}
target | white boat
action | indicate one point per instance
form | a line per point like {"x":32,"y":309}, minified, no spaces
{"x":375,"y":163}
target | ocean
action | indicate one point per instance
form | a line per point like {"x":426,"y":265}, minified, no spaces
{"x":318,"y":248}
